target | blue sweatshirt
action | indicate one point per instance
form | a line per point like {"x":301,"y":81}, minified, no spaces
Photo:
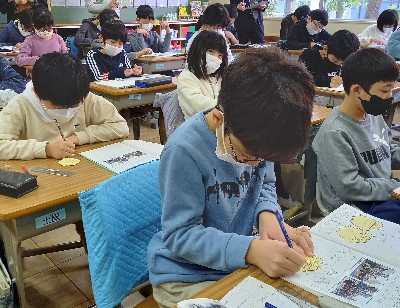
{"x":210,"y":208}
{"x":100,"y":63}
{"x":10,"y":34}
{"x":393,"y":45}
{"x":9,"y":78}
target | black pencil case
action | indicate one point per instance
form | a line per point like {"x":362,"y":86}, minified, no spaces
{"x":16,"y":184}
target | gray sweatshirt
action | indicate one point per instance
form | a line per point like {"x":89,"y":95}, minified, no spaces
{"x":153,"y":41}
{"x":354,"y":160}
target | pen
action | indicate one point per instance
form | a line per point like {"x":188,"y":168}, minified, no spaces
{"x":281,"y":224}
{"x":59,"y":129}
{"x":268,"y":305}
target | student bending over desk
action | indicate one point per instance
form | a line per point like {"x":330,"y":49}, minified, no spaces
{"x":355,"y":154}
{"x":217,"y":182}
{"x":14,"y":33}
{"x":56,"y":112}
{"x":199,"y":83}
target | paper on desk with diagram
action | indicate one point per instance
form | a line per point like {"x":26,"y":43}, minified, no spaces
{"x":127,"y":82}
{"x":159,"y":54}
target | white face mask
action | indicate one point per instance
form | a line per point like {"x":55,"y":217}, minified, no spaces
{"x":44,"y":34}
{"x":147,"y":27}
{"x":62,"y":115}
{"x":112,"y":51}
{"x":22,"y":31}
{"x":225,"y":156}
{"x":212,"y":63}
{"x":311,"y":29}
{"x":117,"y":11}
{"x":387,"y":30}
{"x":99,"y":27}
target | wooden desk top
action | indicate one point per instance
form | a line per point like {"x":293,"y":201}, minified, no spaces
{"x":320,"y":113}
{"x":53,"y":189}
{"x":161,"y":59}
{"x":9,"y":54}
{"x":120,"y":92}
{"x":223,"y":286}
{"x":295,"y":52}
{"x":340,"y":94}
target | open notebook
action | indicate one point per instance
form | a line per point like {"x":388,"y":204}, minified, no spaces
{"x":360,"y":259}
{"x":251,"y":292}
{"x":127,"y":82}
{"x":118,"y":157}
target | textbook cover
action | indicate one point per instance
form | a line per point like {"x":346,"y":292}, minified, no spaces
{"x":356,"y":260}
{"x":119,"y":157}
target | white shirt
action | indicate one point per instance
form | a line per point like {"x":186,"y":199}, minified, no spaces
{"x":372,"y":31}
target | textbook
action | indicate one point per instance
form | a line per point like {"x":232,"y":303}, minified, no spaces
{"x":251,"y":292}
{"x":119,"y":157}
{"x":356,"y":260}
{"x":132,"y":82}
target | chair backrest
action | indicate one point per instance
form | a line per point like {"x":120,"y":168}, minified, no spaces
{"x":318,"y":197}
{"x":173,"y":115}
{"x":188,"y":36}
{"x":120,"y":217}
{"x":72,"y":48}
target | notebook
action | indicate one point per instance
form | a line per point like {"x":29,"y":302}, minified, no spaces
{"x":251,"y":292}
{"x":119,"y":157}
{"x":360,"y":257}
{"x":144,"y":81}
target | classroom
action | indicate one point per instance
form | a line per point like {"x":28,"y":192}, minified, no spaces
{"x":232,"y":154}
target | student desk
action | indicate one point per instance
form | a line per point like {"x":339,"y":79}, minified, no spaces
{"x":161,"y":64}
{"x":223,"y":286}
{"x":11,"y":57}
{"x":135,"y":98}
{"x":295,"y":52}
{"x":52,"y":205}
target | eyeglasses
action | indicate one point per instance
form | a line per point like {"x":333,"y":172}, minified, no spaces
{"x":236,"y":158}
{"x":318,"y":26}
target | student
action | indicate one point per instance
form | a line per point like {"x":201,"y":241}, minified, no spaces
{"x":144,"y":37}
{"x":353,"y":146}
{"x":307,"y":33}
{"x":230,"y":32}
{"x":87,"y":33}
{"x":13,"y":7}
{"x":97,"y":6}
{"x":9,"y":78}
{"x":14,"y":33}
{"x":111,"y":61}
{"x":215,"y":18}
{"x":300,"y":13}
{"x":105,"y":15}
{"x":58,"y":93}
{"x":42,"y":41}
{"x":393,"y":45}
{"x":325,"y":64}
{"x":380,"y":32}
{"x":249,"y":23}
{"x":225,"y":191}
{"x":199,"y":83}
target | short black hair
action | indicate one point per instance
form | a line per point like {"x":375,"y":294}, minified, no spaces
{"x":145,"y":11}
{"x":60,"y":78}
{"x":342,"y":44}
{"x":267,"y":99}
{"x":25,"y":18}
{"x":320,"y":15}
{"x":215,"y":15}
{"x":42,"y":19}
{"x":368,"y":66}
{"x":387,"y":18}
{"x":302,"y":12}
{"x":114,"y":30}
{"x":105,"y":15}
{"x":204,"y":41}
{"x":232,"y":10}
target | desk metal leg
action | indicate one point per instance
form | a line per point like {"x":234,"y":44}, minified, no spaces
{"x":12,"y":246}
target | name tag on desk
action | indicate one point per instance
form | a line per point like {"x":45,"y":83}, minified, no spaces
{"x":136,"y":97}
{"x":160,"y":66}
{"x":50,"y":218}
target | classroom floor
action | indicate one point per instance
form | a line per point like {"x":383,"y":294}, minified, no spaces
{"x":62,"y":280}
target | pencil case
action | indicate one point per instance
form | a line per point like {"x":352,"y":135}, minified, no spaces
{"x":16,"y":184}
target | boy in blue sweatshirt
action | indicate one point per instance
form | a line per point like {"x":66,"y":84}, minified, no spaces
{"x":217,"y":181}
{"x":14,"y":33}
{"x":354,"y":149}
{"x":111,"y":61}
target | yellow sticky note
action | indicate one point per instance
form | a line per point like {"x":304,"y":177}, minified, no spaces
{"x":354,"y":235}
{"x":312,"y":264}
{"x":69,"y":161}
{"x":366,"y":223}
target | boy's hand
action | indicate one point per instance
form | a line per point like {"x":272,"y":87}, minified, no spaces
{"x":18,"y":45}
{"x":231,"y":37}
{"x":128,"y":72}
{"x":241,"y":6}
{"x":146,"y":51}
{"x":141,"y":30}
{"x":270,"y":229}
{"x":74,"y":139}
{"x":137,"y":70}
{"x":60,"y":149}
{"x":262,"y":7}
{"x":377,"y":41}
{"x":336,"y":81}
{"x":164,"y":25}
{"x":113,"y":4}
{"x":274,"y":258}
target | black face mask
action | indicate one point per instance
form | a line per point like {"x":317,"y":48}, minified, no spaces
{"x":376,"y":105}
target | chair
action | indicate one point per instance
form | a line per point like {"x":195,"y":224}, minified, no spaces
{"x":318,"y":197}
{"x":72,"y":49}
{"x":120,"y":217}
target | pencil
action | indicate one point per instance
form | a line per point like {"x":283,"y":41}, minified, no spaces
{"x":59,"y":129}
{"x":282,"y":225}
